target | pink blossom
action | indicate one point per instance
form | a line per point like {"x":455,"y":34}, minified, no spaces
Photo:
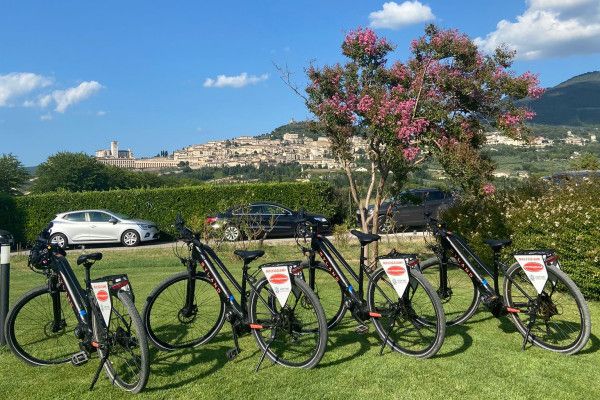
{"x":365,"y":104}
{"x":488,"y":189}
{"x":410,"y":153}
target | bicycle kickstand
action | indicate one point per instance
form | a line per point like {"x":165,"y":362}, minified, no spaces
{"x":387,"y":334}
{"x":528,"y":332}
{"x":262,"y":356}
{"x":97,"y":374}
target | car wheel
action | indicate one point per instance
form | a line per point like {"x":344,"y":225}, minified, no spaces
{"x":385,"y":225}
{"x":59,"y":239}
{"x":130,"y":238}
{"x":231,"y":233}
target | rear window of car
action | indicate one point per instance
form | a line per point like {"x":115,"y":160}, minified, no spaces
{"x":435,"y":195}
{"x":75,"y":217}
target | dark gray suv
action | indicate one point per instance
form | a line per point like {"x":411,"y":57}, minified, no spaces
{"x":407,"y":209}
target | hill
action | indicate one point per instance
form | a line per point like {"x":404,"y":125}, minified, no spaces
{"x":573,"y":102}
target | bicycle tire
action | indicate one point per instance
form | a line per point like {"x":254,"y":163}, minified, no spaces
{"x":324,"y":285}
{"x":563,"y":284}
{"x":275,"y":346}
{"x":163,"y":342}
{"x":62,"y":344}
{"x":139,"y":341}
{"x":463,"y":291}
{"x":426,"y":316}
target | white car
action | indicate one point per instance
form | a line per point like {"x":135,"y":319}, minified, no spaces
{"x":100,"y":226}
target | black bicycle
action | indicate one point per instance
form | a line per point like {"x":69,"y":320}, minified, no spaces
{"x":41,"y":330}
{"x":283,"y":314}
{"x":545,"y":305}
{"x":404,"y":308}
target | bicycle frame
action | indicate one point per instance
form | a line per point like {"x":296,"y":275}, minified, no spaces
{"x":458,"y":247}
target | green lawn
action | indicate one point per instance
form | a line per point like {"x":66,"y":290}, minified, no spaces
{"x":479,"y":360}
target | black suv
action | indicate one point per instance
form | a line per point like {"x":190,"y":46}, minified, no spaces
{"x":408,"y":209}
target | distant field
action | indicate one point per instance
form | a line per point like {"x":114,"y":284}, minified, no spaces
{"x":479,"y":360}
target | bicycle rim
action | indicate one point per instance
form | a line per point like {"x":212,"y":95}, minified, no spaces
{"x":170,"y":326}
{"x":33,"y":334}
{"x":294,"y":335}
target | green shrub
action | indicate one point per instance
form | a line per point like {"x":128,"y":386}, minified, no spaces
{"x":540,"y":215}
{"x":25,"y":216}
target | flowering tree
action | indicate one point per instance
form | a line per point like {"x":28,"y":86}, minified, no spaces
{"x":434,"y":104}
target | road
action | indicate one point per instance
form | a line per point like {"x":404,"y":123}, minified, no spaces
{"x":270,"y":242}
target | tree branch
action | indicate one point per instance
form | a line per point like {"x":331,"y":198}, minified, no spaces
{"x":286,"y":76}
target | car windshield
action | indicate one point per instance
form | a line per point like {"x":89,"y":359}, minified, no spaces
{"x":121,"y":216}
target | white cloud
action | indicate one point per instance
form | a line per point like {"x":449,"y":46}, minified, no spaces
{"x":101,"y":113}
{"x":237,"y":81}
{"x":63,"y":99}
{"x":17,"y":84}
{"x":46,"y":117}
{"x":549,"y":28}
{"x":394,"y":15}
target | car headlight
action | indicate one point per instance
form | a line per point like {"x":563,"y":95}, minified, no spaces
{"x":145,"y":227}
{"x":370,"y":211}
{"x":320,"y":219}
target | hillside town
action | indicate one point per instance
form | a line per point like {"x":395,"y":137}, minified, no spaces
{"x":292,"y":148}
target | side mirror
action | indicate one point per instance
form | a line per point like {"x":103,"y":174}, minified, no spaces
{"x":113,"y":220}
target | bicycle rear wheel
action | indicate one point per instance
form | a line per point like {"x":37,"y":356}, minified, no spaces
{"x":38,"y":335}
{"x":170,"y":325}
{"x":562,"y":317}
{"x":125,"y":345}
{"x":329,"y":292}
{"x":294,"y":335}
{"x":461,"y":298}
{"x":414,"y":324}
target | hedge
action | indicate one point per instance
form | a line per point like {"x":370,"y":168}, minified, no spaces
{"x":539,"y":214}
{"x":25,"y":216}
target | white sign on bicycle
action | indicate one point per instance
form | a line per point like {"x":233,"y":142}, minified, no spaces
{"x":397,"y":272}
{"x":279,"y":279}
{"x":103,"y":296}
{"x":534,"y":267}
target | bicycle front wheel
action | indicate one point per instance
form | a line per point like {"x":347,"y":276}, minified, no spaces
{"x":124,"y":344}
{"x":329,"y":292}
{"x":294,"y":335}
{"x":413,"y":324}
{"x":40,"y":328}
{"x":171,"y":325}
{"x":562,"y":321}
{"x":460,"y":298}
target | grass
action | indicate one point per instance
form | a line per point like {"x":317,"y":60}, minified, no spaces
{"x":481,"y":359}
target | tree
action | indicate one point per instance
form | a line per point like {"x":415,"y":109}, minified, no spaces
{"x":74,"y":172}
{"x":12,"y":174}
{"x":586,"y":161}
{"x":434,"y":104}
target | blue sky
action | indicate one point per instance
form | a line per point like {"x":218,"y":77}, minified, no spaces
{"x":75,"y":75}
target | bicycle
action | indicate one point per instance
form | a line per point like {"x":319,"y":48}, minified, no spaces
{"x":103,"y":319}
{"x":534,"y":288}
{"x":283,"y":314}
{"x":404,"y":308}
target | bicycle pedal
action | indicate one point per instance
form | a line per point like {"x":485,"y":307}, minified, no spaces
{"x":232,"y":353}
{"x":362,"y":329}
{"x":80,"y":358}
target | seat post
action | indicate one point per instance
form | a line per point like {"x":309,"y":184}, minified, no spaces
{"x":360,"y":270}
{"x":88,"y":280}
{"x":496,"y":261}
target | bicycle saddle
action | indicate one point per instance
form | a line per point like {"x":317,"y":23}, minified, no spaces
{"x":249,"y":255}
{"x":86,"y":257}
{"x":365,"y":238}
{"x":498,"y":244}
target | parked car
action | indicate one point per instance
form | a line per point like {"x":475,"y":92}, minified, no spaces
{"x":258,"y":220}
{"x":408,"y":209}
{"x":100,"y":226}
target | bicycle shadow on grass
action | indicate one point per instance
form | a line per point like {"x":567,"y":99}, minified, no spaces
{"x":452,"y":332}
{"x":592,"y":346}
{"x":344,"y":335}
{"x":171,"y":364}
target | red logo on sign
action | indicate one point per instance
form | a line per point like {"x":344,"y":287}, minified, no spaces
{"x":396,"y":270}
{"x":102,"y":295}
{"x":278,"y":279}
{"x":533,"y":267}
